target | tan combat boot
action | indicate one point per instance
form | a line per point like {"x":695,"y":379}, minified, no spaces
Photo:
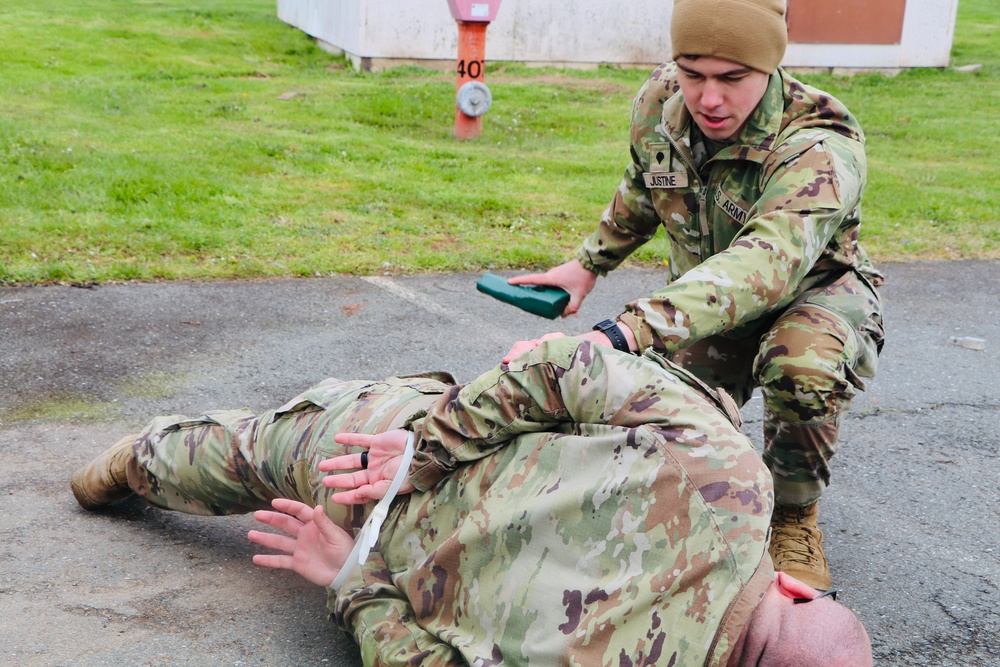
{"x":104,"y":480}
{"x":797,"y":545}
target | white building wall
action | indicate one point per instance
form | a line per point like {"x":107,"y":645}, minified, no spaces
{"x":928,"y":31}
{"x":533,"y":31}
{"x":587,"y":32}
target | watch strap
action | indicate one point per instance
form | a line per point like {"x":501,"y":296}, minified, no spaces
{"x":611,"y":330}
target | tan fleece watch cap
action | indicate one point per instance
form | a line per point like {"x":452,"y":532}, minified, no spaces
{"x":748,"y":32}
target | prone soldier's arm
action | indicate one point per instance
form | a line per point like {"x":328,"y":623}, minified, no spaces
{"x":559,"y":384}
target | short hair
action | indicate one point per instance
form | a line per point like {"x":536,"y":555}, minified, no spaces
{"x":823,"y":633}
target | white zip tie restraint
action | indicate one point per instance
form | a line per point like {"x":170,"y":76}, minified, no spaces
{"x":368,"y":535}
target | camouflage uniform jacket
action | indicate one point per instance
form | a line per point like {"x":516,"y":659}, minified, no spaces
{"x":768,"y":217}
{"x":582,"y":507}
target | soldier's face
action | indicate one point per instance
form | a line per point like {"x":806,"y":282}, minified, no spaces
{"x":720,"y":94}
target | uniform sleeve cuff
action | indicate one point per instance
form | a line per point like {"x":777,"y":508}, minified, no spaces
{"x":635,"y":324}
{"x":426,"y":469}
{"x":584,"y":258}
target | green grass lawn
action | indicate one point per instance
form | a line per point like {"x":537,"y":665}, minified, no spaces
{"x":181,"y":139}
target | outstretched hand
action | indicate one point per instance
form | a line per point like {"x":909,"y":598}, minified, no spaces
{"x":522,"y":346}
{"x":385,"y":453}
{"x":596,"y":337}
{"x":314,"y":547}
{"x":572,"y":277}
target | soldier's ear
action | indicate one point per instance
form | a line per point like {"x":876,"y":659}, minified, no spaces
{"x":791,"y":587}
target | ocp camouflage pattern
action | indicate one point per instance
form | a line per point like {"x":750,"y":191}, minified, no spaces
{"x":581,"y":507}
{"x":764,"y":220}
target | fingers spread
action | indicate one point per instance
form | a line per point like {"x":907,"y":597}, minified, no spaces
{"x":331,"y":531}
{"x":345,"y":462}
{"x":293,"y":507}
{"x":277,"y":562}
{"x":279,"y":521}
{"x":353,"y":497}
{"x":351,"y":480}
{"x":354,"y":439}
{"x":362,"y":494}
{"x":272,"y":541}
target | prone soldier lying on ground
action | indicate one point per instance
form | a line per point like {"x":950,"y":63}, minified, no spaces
{"x":579,"y":506}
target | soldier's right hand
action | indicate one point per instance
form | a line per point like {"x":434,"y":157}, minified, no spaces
{"x":571,"y":276}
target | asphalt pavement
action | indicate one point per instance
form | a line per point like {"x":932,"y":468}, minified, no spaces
{"x":912,"y":518}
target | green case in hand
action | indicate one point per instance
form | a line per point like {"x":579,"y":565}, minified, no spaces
{"x":536,"y":299}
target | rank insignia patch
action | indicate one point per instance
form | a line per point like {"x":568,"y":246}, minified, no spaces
{"x":662,"y":172}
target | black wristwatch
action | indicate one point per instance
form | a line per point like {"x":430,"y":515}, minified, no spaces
{"x":611,"y":330}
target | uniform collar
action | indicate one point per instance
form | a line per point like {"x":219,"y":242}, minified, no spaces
{"x":739,"y":613}
{"x":758,"y":135}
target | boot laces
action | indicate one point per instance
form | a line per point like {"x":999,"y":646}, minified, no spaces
{"x":794,"y":541}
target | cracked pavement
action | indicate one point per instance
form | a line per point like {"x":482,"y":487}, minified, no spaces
{"x":912,"y":518}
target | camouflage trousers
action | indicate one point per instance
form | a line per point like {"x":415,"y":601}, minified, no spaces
{"x":233,"y":462}
{"x":808,"y":364}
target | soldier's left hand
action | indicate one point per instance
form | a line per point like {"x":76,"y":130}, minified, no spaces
{"x":313,"y":545}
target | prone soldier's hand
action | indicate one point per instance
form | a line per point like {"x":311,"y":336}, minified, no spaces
{"x":522,"y":346}
{"x":313,"y":546}
{"x":385,"y":453}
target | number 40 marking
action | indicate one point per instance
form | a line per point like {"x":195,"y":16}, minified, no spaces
{"x":473,"y":71}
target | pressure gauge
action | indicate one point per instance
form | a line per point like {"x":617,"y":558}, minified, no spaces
{"x":474,"y":99}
